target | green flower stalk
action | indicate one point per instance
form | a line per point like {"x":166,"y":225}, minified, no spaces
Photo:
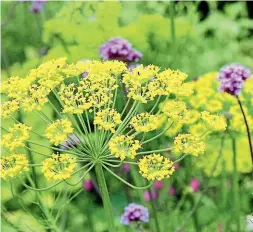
{"x":92,"y":131}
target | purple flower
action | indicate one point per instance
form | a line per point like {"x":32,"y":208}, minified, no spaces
{"x":232,"y":78}
{"x":158,"y":184}
{"x":195,"y":184}
{"x":119,"y":49}
{"x":37,"y":6}
{"x":126,"y":168}
{"x":172,"y":191}
{"x":147,"y":196}
{"x":134,"y":213}
{"x":88,"y":185}
{"x":72,"y":141}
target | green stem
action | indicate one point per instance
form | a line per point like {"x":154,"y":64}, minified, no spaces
{"x":235,"y":186}
{"x":172,"y":29}
{"x":153,"y":208}
{"x":105,"y":196}
{"x":247,"y":128}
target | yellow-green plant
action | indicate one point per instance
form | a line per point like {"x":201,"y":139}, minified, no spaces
{"x":117,"y":131}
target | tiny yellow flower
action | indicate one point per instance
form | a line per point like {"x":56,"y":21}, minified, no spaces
{"x":107,"y":119}
{"x":155,"y":167}
{"x":145,"y":122}
{"x":189,"y":144}
{"x":58,"y":131}
{"x":8,"y":108}
{"x":123,"y":146}
{"x":58,"y":167}
{"x":16,"y":137}
{"x":173,"y":108}
{"x":13,"y":165}
{"x":214,"y":122}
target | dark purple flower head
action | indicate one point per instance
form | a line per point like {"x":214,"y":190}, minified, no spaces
{"x":134,"y":213}
{"x":232,"y":78}
{"x":119,"y":49}
{"x":37,"y":6}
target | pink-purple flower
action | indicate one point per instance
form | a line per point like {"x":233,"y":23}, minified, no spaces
{"x":232,"y":78}
{"x":134,"y":213}
{"x":172,"y":191}
{"x":88,"y":185}
{"x":148,"y":196}
{"x":158,"y":184}
{"x":118,"y":48}
{"x":126,"y":168}
{"x":195,"y":184}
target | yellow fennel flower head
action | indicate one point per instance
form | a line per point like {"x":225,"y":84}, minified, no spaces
{"x":138,"y":82}
{"x":174,"y":128}
{"x":16,"y":137}
{"x":155,"y":167}
{"x":58,"y":167}
{"x":214,"y":106}
{"x":172,"y":80}
{"x":37,"y":97}
{"x":185,"y":90}
{"x":198,"y":129}
{"x":74,"y":99}
{"x":15,"y":87}
{"x":214,"y":122}
{"x":145,"y":122}
{"x":123,"y":146}
{"x":173,"y":108}
{"x":107,"y":119}
{"x":8,"y":108}
{"x":190,"y":117}
{"x":114,"y":67}
{"x":49,"y":74}
{"x":13,"y":165}
{"x":58,"y":131}
{"x":189,"y":144}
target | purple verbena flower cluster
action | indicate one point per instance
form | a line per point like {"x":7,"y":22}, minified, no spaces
{"x":232,"y":78}
{"x":134,"y":213}
{"x":119,"y":49}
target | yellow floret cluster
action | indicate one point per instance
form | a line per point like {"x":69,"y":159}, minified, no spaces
{"x":213,"y":122}
{"x":145,"y":83}
{"x":13,"y":165}
{"x":145,"y":122}
{"x":189,"y":144}
{"x":58,"y":131}
{"x":156,"y":167}
{"x":58,"y":167}
{"x":16,"y":137}
{"x":8,"y":108}
{"x":174,"y":109}
{"x":123,"y":146}
{"x":107,"y":119}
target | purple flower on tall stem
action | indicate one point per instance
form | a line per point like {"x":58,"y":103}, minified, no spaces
{"x":232,"y":78}
{"x":134,"y":213}
{"x":118,"y":48}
